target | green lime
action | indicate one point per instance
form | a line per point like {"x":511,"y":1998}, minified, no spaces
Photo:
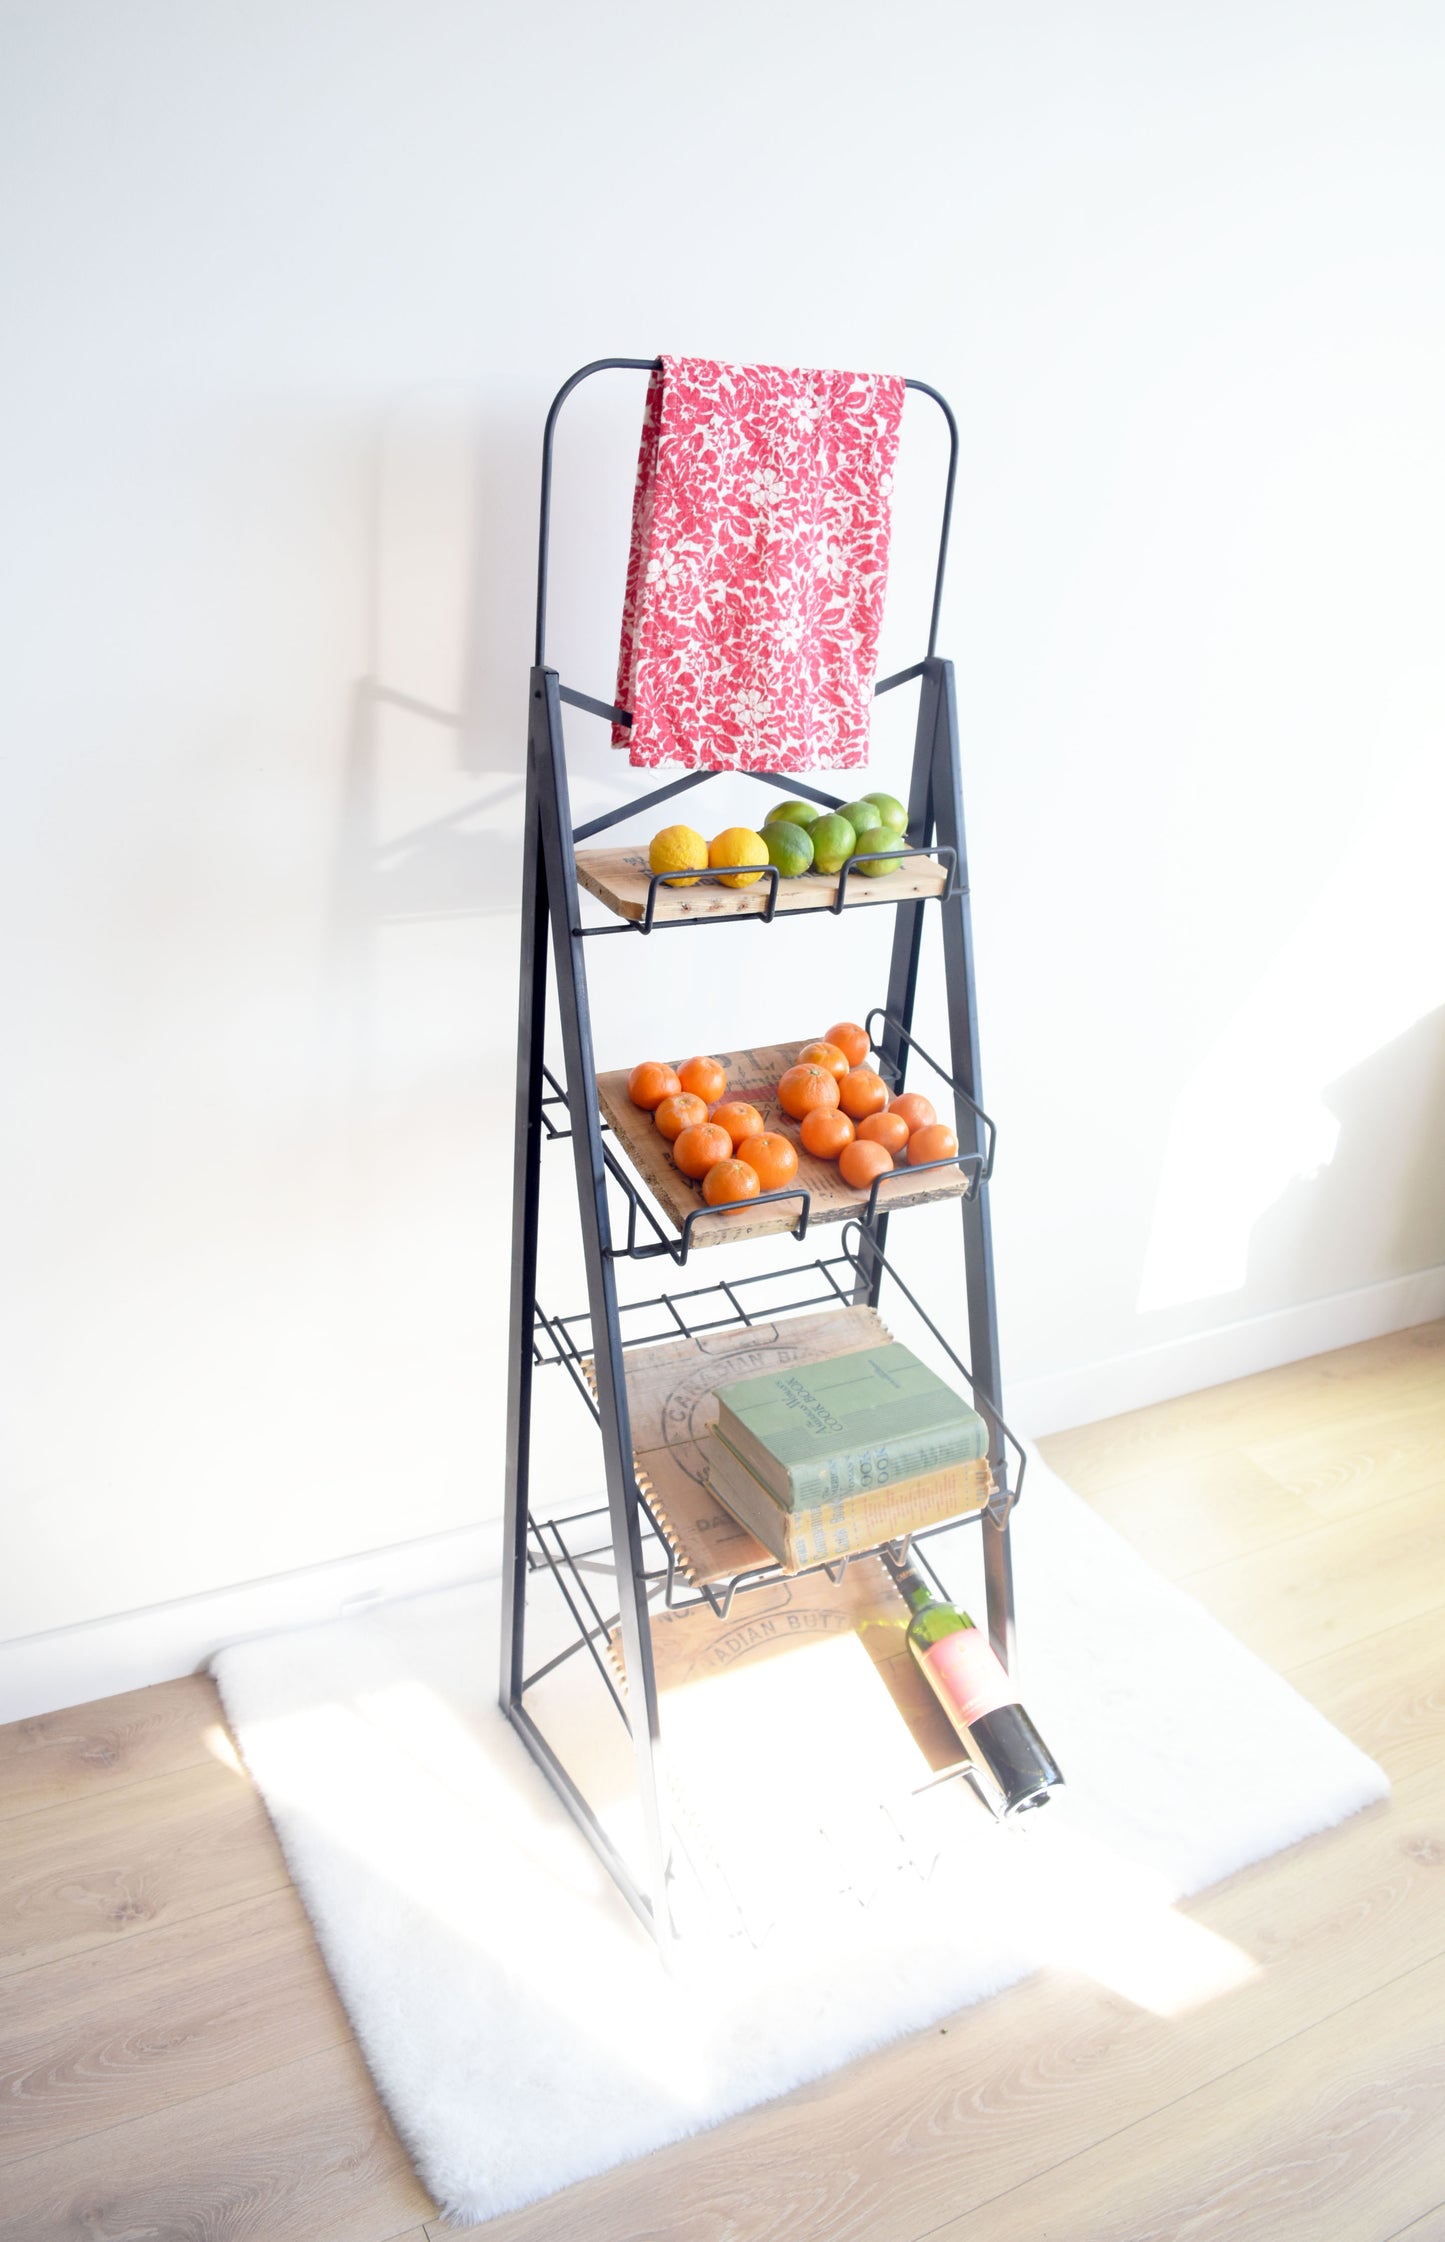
{"x":862,"y":816}
{"x":890,"y":810}
{"x":883,"y":864}
{"x":834,"y":841}
{"x":789,"y":847}
{"x":792,"y":813}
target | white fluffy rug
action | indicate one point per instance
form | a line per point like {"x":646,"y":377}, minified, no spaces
{"x":513,"y":2013}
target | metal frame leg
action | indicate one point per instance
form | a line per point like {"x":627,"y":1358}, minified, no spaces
{"x":908,"y":926}
{"x":526,"y":1190}
{"x":581,"y":1081}
{"x":963,"y":1043}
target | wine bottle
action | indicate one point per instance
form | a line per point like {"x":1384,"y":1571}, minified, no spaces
{"x":976,"y":1693}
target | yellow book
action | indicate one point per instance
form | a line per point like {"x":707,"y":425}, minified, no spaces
{"x":830,"y":1530}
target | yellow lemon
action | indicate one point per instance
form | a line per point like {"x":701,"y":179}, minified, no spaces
{"x":677,"y":848}
{"x":738,"y":845}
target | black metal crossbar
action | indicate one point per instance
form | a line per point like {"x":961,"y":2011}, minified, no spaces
{"x":560,"y":1565}
{"x":625,"y":810}
{"x":594,"y":707}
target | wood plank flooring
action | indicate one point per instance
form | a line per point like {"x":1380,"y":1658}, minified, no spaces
{"x":98,"y":1748}
{"x":175,"y":2065}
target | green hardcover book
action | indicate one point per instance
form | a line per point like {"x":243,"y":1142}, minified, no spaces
{"x":847,"y":1425}
{"x":836,"y":1529}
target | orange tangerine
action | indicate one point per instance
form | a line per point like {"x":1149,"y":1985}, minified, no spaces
{"x":824,"y":1055}
{"x":851,"y":1040}
{"x":700,"y":1148}
{"x":916,"y":1111}
{"x":862,"y":1092}
{"x":729,"y":1180}
{"x":679,"y":1112}
{"x":739,"y":1119}
{"x":803,"y":1087}
{"x":773,"y":1159}
{"x":650,"y":1083}
{"x":932,"y":1142}
{"x":706,"y":1078}
{"x":825,"y":1131}
{"x":861,"y":1160}
{"x":887,"y":1129}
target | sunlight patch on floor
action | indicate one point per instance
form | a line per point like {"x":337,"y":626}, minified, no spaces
{"x":1090,"y":1911}
{"x":405,"y":1797}
{"x":220,"y":1747}
{"x":831,"y":1821}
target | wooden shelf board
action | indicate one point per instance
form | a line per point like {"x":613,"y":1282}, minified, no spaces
{"x":619,"y":877}
{"x":753,"y":1076}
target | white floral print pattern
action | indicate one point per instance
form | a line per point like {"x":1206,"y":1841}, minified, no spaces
{"x":766,"y":487}
{"x":758,"y":566}
{"x":665,"y":568}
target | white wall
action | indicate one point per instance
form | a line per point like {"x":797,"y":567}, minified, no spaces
{"x":290,"y":286}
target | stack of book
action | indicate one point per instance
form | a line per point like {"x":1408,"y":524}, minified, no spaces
{"x":830,"y":1457}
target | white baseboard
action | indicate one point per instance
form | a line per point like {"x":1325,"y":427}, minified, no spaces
{"x":1037,"y":1406}
{"x":71,"y":1665}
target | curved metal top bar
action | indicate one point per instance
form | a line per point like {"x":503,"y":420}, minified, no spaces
{"x":947,"y":411}
{"x":651,"y":366}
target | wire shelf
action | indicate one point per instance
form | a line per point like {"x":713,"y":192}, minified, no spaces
{"x":825,"y":1283}
{"x":837,"y":1281}
{"x":553,"y":1552}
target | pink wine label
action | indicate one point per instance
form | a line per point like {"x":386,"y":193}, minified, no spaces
{"x":967,"y":1676}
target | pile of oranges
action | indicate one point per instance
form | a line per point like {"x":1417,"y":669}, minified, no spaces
{"x":842,"y":1106}
{"x":847,"y":1115}
{"x":719,"y":1142}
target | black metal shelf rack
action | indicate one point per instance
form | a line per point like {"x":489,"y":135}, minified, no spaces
{"x":621,"y":1541}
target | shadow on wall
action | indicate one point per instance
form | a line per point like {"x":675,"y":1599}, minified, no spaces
{"x":1255,"y":1124}
{"x":448,"y":612}
{"x":446,"y":866}
{"x":1382,"y":1196}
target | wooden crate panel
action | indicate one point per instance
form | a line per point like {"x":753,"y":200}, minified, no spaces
{"x":753,"y":1076}
{"x":619,"y":877}
{"x":786,"y":1617}
{"x":672,"y":1404}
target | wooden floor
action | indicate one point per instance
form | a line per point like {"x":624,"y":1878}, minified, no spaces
{"x":174,"y":2066}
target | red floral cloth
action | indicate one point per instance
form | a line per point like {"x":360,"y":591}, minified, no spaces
{"x":758,"y":566}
